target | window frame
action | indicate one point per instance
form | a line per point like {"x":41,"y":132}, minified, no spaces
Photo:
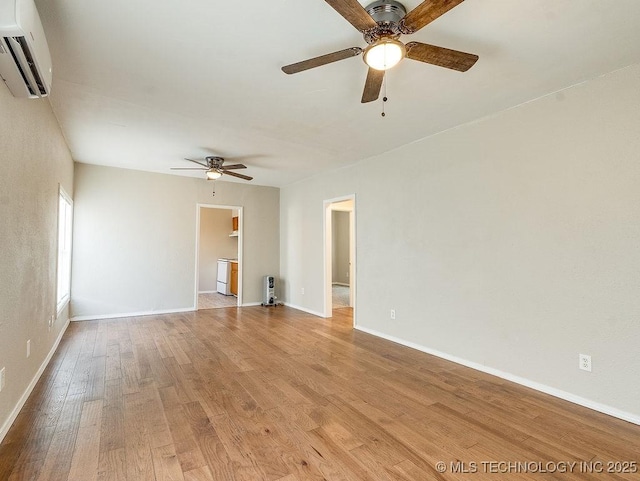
{"x":63,"y":257}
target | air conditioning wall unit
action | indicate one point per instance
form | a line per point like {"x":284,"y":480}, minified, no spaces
{"x":25,"y":61}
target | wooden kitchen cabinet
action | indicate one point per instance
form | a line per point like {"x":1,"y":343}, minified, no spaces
{"x":234,"y":278}
{"x":234,"y":223}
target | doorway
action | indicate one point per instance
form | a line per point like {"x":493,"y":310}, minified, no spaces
{"x":340,"y":256}
{"x":218,"y":281}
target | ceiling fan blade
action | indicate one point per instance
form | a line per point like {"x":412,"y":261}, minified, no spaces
{"x":234,"y":166}
{"x":235,"y":174}
{"x":425,"y":13}
{"x":322,"y":60}
{"x":372,"y":85}
{"x":189,"y":168}
{"x":440,"y":56}
{"x":354,"y":13}
{"x":197,"y":162}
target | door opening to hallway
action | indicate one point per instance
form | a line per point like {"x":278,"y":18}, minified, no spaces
{"x":340,"y":255}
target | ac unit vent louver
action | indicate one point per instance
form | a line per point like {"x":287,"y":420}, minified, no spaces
{"x":22,"y":56}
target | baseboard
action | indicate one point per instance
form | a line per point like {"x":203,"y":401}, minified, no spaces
{"x":340,"y":284}
{"x":130,"y":314}
{"x":207,"y":292}
{"x":588,"y":403}
{"x":251,"y":304}
{"x":304,"y":309}
{"x":23,"y":399}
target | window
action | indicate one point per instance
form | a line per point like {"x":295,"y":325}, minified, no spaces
{"x":65,"y":216}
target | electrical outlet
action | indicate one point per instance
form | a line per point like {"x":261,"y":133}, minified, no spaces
{"x":584,"y":362}
{"x":1,"y":379}
{"x":393,"y":314}
{"x":302,"y":291}
{"x":28,"y":347}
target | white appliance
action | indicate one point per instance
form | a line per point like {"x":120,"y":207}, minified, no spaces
{"x":25,"y":61}
{"x":223,"y":279}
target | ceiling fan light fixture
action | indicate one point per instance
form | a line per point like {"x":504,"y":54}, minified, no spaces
{"x":213,"y":174}
{"x":384,"y":54}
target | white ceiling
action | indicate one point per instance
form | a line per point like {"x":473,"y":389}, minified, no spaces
{"x":142,"y":84}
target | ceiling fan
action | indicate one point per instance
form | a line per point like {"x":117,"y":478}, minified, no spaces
{"x":213,"y":165}
{"x":382,"y":23}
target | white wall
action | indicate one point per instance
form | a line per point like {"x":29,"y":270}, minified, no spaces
{"x":214,"y":244}
{"x":135,"y":237}
{"x":35,"y":160}
{"x":512,"y":242}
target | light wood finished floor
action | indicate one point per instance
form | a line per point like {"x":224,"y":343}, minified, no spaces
{"x":276,"y":394}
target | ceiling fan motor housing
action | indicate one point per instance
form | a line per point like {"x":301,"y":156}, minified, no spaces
{"x":386,"y":11}
{"x":387,"y":14}
{"x":214,"y":161}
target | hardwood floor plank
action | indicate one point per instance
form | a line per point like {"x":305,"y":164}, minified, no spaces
{"x":113,"y":430}
{"x":58,"y":461}
{"x":207,"y":440}
{"x":254,"y":441}
{"x":139,"y":462}
{"x":186,"y":445}
{"x":112,"y":466}
{"x":409,"y":471}
{"x":113,"y":366}
{"x":166,"y":464}
{"x":200,"y":474}
{"x":371,"y":464}
{"x":307,"y":456}
{"x":86,"y":454}
{"x":289,"y":477}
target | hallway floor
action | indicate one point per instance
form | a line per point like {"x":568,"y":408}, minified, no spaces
{"x":215,"y":300}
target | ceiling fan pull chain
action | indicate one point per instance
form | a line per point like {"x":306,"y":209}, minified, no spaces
{"x":384,"y":97}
